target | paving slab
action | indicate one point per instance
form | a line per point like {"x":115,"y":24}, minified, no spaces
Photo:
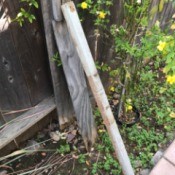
{"x":166,"y":165}
{"x":170,"y":153}
{"x":163,"y":167}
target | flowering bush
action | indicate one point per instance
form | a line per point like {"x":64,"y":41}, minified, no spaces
{"x":99,"y":9}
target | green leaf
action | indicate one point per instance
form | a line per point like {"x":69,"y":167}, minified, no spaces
{"x":36,"y":4}
{"x":20,"y":23}
{"x":19,"y":15}
{"x":30,"y":19}
{"x":33,"y":17}
{"x":22,"y":11}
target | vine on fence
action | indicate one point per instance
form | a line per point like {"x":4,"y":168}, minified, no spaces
{"x":26,"y":14}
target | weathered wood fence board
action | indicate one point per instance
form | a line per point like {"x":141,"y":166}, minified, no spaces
{"x":62,"y":96}
{"x":34,"y":66}
{"x":34,"y":63}
{"x":76,"y":82}
{"x":2,"y":121}
{"x":13,"y":89}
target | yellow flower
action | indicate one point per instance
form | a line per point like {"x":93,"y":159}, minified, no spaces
{"x":112,"y":89}
{"x":161,"y":45}
{"x":128,"y":107}
{"x":170,"y":79}
{"x":84,"y":5}
{"x":101,"y":130}
{"x":102,"y":15}
{"x":172,"y":26}
{"x":172,"y":115}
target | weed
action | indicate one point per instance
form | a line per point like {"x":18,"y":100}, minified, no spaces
{"x":64,"y":149}
{"x":82,"y":158}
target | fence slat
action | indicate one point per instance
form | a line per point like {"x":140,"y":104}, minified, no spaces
{"x":62,"y":96}
{"x":76,"y":83}
{"x":2,"y":121}
{"x":79,"y":39}
{"x":13,"y":88}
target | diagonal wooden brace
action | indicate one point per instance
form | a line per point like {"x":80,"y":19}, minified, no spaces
{"x":81,"y":45}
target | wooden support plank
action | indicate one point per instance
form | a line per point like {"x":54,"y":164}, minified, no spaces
{"x":28,"y":134}
{"x":76,"y":83}
{"x":19,"y":125}
{"x":79,"y":39}
{"x":62,"y":96}
{"x":57,"y":14}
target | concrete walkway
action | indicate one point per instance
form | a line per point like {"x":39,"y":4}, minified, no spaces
{"x":166,"y":165}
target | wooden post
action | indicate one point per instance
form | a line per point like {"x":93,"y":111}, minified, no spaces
{"x":81,"y":45}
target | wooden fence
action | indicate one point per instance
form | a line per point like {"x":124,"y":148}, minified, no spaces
{"x":29,"y":76}
{"x":27,"y":89}
{"x":24,"y":72}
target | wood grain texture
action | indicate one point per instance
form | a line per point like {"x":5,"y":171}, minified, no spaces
{"x":163,"y":16}
{"x":29,"y":43}
{"x":4,"y":21}
{"x":76,"y":83}
{"x":23,"y":62}
{"x":80,"y":42}
{"x":13,"y":89}
{"x":57,"y":14}
{"x":16,"y":127}
{"x":62,"y":96}
{"x":2,"y":121}
{"x":29,"y":133}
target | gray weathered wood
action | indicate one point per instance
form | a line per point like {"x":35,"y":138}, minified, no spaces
{"x":76,"y":83}
{"x":29,"y":44}
{"x":57,"y":14}
{"x":19,"y":125}
{"x":163,"y":16}
{"x":13,"y":88}
{"x":62,"y":96}
{"x":80,"y":42}
{"x":2,"y":121}
{"x":29,"y":133}
{"x":24,"y":73}
{"x":4,"y":23}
